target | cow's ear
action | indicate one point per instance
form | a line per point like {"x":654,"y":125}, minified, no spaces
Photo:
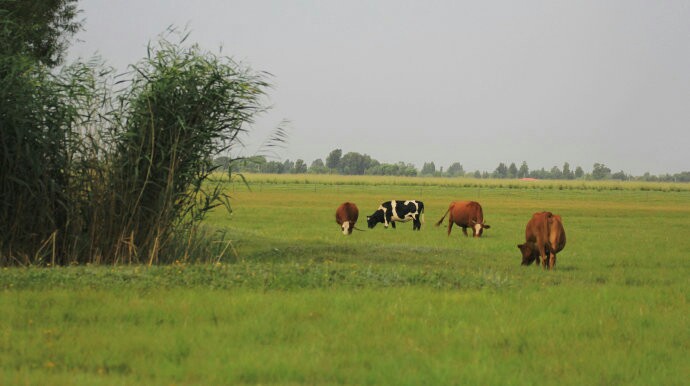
{"x":486,"y":226}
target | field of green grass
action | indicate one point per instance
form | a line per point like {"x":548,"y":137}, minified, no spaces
{"x":293,"y":301}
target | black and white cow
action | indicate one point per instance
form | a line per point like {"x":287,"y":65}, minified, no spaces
{"x":391,"y":211}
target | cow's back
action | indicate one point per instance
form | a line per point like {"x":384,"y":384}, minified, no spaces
{"x":464,"y":213}
{"x":556,"y":233}
{"x":537,"y":228}
{"x":347,"y":211}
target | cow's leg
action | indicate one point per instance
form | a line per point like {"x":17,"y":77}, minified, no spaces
{"x":543,"y":255}
{"x":416,"y":224}
{"x":393,"y":224}
{"x":464,"y":230}
{"x":552,"y":260}
{"x":450,"y":225}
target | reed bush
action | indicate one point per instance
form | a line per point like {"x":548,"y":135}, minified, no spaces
{"x":103,"y":169}
{"x":39,"y":114}
{"x":183,"y":105}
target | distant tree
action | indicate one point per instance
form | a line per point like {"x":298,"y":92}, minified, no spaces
{"x":333,"y":159}
{"x":408,"y":169}
{"x":383,"y":170}
{"x":512,"y":170}
{"x":567,"y":173}
{"x":288,"y":166}
{"x":501,"y":171}
{"x":300,"y":167}
{"x":648,"y":177}
{"x":477,"y":174}
{"x":354,"y":163}
{"x":317,"y":163}
{"x":429,"y":168}
{"x":682,"y":177}
{"x":317,"y":167}
{"x":221,"y":163}
{"x":540,"y":174}
{"x":253,"y":164}
{"x":455,"y":170}
{"x":524,"y":170}
{"x":485,"y":174}
{"x":555,"y":173}
{"x":666,"y":177}
{"x":273,"y":167}
{"x":579,"y":173}
{"x":600,"y":172}
{"x":399,"y":169}
{"x":240,"y":165}
{"x":619,"y":176}
{"x":375,"y":170}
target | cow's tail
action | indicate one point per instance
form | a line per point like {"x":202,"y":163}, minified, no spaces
{"x":421,"y":214}
{"x":442,"y":218}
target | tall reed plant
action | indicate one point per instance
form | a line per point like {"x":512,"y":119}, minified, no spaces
{"x":40,"y":145}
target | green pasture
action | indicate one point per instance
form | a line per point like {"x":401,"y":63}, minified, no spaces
{"x":290,"y":300}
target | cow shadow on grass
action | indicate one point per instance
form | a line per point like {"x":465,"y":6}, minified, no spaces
{"x":567,"y":268}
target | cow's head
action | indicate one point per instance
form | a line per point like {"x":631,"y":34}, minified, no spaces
{"x":348,"y":226}
{"x":375,"y":218}
{"x":529,"y":253}
{"x":478,"y":228}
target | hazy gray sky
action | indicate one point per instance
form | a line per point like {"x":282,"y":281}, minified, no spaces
{"x":477,"y":82}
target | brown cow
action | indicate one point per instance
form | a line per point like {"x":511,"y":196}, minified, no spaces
{"x":544,"y":237}
{"x":466,"y":214}
{"x":346,"y":216}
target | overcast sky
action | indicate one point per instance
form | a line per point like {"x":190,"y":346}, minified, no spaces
{"x":475,"y":82}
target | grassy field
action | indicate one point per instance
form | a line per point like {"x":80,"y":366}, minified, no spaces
{"x":293,"y":301}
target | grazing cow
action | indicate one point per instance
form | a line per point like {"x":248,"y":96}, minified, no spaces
{"x":544,"y":237}
{"x":466,"y":214}
{"x":346,"y":216}
{"x":391,"y":211}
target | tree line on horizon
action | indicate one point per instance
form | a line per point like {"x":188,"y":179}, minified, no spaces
{"x":354,"y":163}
